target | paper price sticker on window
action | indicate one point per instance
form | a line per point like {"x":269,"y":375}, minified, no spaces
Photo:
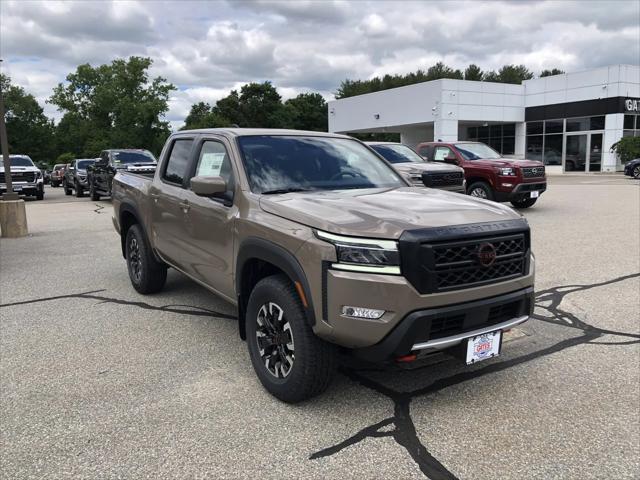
{"x":210,"y":164}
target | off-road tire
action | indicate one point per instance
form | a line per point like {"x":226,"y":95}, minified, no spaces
{"x":525,"y":203}
{"x":477,"y":187}
{"x":40,"y":194}
{"x":314,"y":360}
{"x":147,"y":275}
{"x":92,"y":191}
{"x":67,"y":190}
{"x":78,"y":189}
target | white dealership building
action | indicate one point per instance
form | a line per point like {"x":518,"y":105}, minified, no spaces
{"x":568,"y":121}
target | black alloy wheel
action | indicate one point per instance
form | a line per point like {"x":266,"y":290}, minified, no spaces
{"x":147,"y":274}
{"x":133,"y":256}
{"x":636,"y":172}
{"x":275,"y":340}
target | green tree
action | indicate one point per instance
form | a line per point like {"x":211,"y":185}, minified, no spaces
{"x":202,"y":115}
{"x":114,"y":105}
{"x":627,"y":148}
{"x":29,"y":131}
{"x":261,"y":105}
{"x":509,"y":74}
{"x":307,"y":111}
{"x":67,"y":157}
{"x":473,"y":72}
{"x":440,"y":70}
{"x":553,"y":71}
{"x":229,"y":108}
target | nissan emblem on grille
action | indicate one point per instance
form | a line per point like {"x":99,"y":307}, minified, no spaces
{"x":486,"y":254}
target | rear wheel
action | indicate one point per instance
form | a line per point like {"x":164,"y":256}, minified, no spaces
{"x":481,"y":190}
{"x":524,"y":203}
{"x":636,"y":172}
{"x":147,"y":275}
{"x":291,"y":362}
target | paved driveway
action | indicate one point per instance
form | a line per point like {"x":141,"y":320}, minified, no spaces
{"x":97,"y":381}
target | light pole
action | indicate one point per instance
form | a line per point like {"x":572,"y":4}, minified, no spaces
{"x":13,"y":215}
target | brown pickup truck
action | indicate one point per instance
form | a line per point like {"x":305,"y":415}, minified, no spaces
{"x":325,"y":249}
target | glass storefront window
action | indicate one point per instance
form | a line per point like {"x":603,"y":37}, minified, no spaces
{"x":500,"y":137}
{"x":553,"y":126}
{"x":509,"y":130}
{"x":534,"y":147}
{"x":495,"y":131}
{"x":596,"y":123}
{"x":508,"y":145}
{"x":585,"y":123}
{"x":629,"y":122}
{"x":534,"y":128}
{"x":553,"y":149}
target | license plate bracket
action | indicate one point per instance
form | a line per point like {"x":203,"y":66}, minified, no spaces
{"x":483,"y":347}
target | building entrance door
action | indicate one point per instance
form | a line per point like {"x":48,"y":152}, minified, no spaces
{"x":582,"y":152}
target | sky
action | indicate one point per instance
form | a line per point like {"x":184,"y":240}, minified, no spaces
{"x":208,"y":48}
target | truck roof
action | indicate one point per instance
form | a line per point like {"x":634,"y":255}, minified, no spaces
{"x":242,"y":132}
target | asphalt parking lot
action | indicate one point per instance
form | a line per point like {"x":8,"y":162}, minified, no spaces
{"x":97,"y":381}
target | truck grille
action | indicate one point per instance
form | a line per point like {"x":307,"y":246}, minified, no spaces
{"x":442,"y":266}
{"x":445,"y":179}
{"x":19,"y":177}
{"x":533,"y":172}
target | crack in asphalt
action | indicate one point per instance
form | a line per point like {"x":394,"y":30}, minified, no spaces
{"x":405,"y":433}
{"x":93,"y":295}
{"x":99,"y":209}
{"x":404,"y":430}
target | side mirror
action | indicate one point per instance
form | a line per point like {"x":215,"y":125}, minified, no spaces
{"x":205,"y":186}
{"x":451,"y":159}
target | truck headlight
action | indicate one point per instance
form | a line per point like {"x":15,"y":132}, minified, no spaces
{"x":364,"y":254}
{"x":507,"y":172}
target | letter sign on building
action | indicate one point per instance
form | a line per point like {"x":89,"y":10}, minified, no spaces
{"x":632,"y":105}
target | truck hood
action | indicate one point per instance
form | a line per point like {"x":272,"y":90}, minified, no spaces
{"x":137,"y":166}
{"x":506,"y":162}
{"x":383,"y":213}
{"x":418,"y":168}
{"x":19,"y":169}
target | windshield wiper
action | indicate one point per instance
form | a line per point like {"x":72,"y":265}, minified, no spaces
{"x":286,"y":190}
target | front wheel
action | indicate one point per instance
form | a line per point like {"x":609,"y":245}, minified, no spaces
{"x":79,"y":192}
{"x":636,"y":172}
{"x":480,"y":190}
{"x":524,"y":203}
{"x":40,"y":194}
{"x":92,"y":191}
{"x":147,"y":275}
{"x":67,"y":190}
{"x":291,"y":362}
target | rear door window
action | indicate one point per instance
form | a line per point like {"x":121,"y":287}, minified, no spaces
{"x":441,"y":153}
{"x":177,"y":165}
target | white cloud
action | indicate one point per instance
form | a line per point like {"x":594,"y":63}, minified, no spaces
{"x":207,"y":49}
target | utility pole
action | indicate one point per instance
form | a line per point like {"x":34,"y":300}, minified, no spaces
{"x":13,"y":215}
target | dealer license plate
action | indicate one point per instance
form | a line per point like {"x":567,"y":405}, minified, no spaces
{"x":17,"y":188}
{"x":535,"y":194}
{"x":483,"y":347}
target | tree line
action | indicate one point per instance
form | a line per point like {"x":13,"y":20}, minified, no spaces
{"x":118,"y":105}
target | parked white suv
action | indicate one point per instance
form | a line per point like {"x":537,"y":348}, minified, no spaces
{"x":26,"y":178}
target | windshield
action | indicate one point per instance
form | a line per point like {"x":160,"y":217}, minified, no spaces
{"x":476,"y":151}
{"x":59,"y":166}
{"x":83,"y":164}
{"x":275,"y":164}
{"x":21,"y":162}
{"x":397,"y":153}
{"x":133,"y":157}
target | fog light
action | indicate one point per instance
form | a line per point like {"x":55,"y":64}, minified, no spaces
{"x":507,"y":184}
{"x":361,"y":312}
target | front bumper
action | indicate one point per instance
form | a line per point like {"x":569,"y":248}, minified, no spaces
{"x":520,"y":191}
{"x":438,"y":329}
{"x":27,"y":189}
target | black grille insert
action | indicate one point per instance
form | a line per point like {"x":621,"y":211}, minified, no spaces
{"x":436,"y":264}
{"x":19,"y":177}
{"x":533,"y":172}
{"x":444,"y":179}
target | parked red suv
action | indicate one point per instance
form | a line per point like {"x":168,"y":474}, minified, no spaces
{"x":490,"y":175}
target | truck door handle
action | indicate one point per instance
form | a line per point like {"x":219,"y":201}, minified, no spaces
{"x":185,"y":206}
{"x":154,"y":196}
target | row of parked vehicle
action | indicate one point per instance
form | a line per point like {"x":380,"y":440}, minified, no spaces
{"x":464,"y":167}
{"x":95,"y":175}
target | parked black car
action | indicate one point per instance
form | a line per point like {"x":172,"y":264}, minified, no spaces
{"x":101,"y":173}
{"x":632,"y":168}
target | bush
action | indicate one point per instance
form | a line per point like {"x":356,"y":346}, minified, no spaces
{"x":627,"y":148}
